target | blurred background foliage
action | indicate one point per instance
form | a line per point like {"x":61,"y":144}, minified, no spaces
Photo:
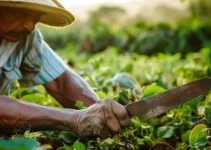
{"x":110,"y":26}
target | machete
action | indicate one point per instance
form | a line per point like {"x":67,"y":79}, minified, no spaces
{"x":155,"y":105}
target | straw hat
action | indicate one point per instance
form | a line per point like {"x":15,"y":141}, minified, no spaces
{"x":55,"y":13}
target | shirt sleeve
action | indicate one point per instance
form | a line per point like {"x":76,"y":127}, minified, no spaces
{"x":40,"y":63}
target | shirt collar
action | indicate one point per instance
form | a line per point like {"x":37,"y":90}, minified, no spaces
{"x":6,"y":49}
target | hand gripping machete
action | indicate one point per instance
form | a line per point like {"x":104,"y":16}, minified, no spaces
{"x":155,"y":105}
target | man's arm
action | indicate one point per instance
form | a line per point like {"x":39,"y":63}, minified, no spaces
{"x":16,"y":115}
{"x":70,"y":87}
{"x":104,"y":118}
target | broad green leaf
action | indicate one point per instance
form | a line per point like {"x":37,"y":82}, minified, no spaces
{"x":101,"y":95}
{"x":123,"y":80}
{"x":68,"y":137}
{"x":128,"y":68}
{"x":123,"y":98}
{"x":197,"y":133}
{"x":18,"y":144}
{"x":165,"y":132}
{"x":79,"y":146}
{"x":36,"y":98}
{"x":79,"y":105}
{"x":201,"y":141}
{"x":208,"y":114}
{"x":152,"y":90}
{"x":41,"y":89}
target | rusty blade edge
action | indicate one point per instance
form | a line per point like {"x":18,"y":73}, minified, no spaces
{"x":155,"y":105}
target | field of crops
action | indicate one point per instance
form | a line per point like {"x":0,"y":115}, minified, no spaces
{"x":127,"y":78}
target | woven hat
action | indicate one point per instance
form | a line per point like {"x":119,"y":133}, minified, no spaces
{"x":54,"y":13}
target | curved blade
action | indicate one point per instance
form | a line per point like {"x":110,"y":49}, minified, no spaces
{"x":155,"y":105}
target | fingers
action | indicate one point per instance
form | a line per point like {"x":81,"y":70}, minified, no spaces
{"x":103,"y":119}
{"x":119,"y":112}
{"x":111,"y":120}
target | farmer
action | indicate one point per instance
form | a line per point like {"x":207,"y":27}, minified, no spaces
{"x":25,"y":57}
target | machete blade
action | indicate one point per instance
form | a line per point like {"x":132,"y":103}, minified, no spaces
{"x":155,"y":105}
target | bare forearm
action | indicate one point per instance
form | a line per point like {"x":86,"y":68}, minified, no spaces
{"x":69,"y":88}
{"x":18,"y":115}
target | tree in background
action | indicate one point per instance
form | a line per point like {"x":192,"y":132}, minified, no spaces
{"x":108,"y":15}
{"x":200,"y":9}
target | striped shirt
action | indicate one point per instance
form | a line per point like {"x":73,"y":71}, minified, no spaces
{"x":30,"y":61}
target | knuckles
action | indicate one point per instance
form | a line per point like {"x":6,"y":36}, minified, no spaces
{"x":94,"y":121}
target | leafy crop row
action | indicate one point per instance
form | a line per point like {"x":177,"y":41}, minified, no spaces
{"x":130,"y":78}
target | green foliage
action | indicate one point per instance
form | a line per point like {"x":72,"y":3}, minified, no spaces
{"x":208,"y":112}
{"x":198,"y":136}
{"x":79,"y":105}
{"x":152,"y":90}
{"x":78,"y":146}
{"x":165,"y":132}
{"x":18,"y":144}
{"x":189,"y":36}
{"x":129,"y":77}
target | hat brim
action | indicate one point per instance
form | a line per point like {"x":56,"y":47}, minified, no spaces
{"x":53,"y":16}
